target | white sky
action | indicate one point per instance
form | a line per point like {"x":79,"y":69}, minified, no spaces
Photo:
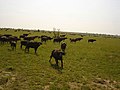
{"x":92,"y":16}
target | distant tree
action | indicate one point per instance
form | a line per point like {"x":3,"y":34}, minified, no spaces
{"x":54,"y":32}
{"x":58,"y":32}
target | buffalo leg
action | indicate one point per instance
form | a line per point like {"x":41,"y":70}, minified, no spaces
{"x":21,"y":46}
{"x":62,"y":63}
{"x":51,"y":55}
{"x":35,"y":50}
{"x":56,"y":62}
{"x":15,"y":47}
{"x":27,"y":49}
{"x":12,"y":47}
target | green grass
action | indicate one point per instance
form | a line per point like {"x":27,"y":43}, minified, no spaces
{"x":83,"y":63}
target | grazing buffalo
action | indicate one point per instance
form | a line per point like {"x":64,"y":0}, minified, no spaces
{"x":24,"y":35}
{"x":30,"y":38}
{"x":23,"y":43}
{"x":13,"y":45}
{"x":4,"y":39}
{"x":63,"y":46}
{"x":7,"y":35}
{"x":59,"y":39}
{"x":49,"y":38}
{"x":91,"y":40}
{"x":73,"y":40}
{"x":62,"y":35}
{"x":13,"y":38}
{"x":45,"y":38}
{"x":78,"y":39}
{"x":34,"y":45}
{"x":57,"y":55}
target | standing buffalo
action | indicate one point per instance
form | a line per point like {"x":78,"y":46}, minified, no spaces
{"x":13,"y":45}
{"x":14,"y":38}
{"x":63,"y":46}
{"x":59,"y":39}
{"x":73,"y":40}
{"x":24,"y":35}
{"x":45,"y":38}
{"x":7,"y":35}
{"x":30,"y":38}
{"x":23,"y":43}
{"x":91,"y":40}
{"x":57,"y":54}
{"x":34,"y":45}
{"x":63,"y":35}
{"x":76,"y":39}
{"x":4,"y":39}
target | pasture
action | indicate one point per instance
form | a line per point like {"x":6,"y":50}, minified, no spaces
{"x":87,"y":66}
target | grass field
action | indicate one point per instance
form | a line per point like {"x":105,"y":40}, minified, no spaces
{"x":87,"y":66}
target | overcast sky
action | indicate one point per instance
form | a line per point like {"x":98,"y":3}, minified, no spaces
{"x":92,"y":16}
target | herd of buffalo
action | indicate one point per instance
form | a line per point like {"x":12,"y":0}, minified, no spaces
{"x":28,"y":42}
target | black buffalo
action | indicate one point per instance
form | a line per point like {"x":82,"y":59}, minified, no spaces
{"x":13,"y":45}
{"x":3,"y":39}
{"x":7,"y":35}
{"x":30,"y":38}
{"x":59,"y":39}
{"x":34,"y":45}
{"x":24,"y":35}
{"x":62,"y":35}
{"x":57,"y":54}
{"x":63,"y":46}
{"x":91,"y":40}
{"x":73,"y":40}
{"x":23,"y":43}
{"x":45,"y":38}
{"x":13,"y":38}
{"x":6,"y":39}
{"x":78,"y":39}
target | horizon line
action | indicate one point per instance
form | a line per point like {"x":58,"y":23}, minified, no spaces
{"x":60,"y":30}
